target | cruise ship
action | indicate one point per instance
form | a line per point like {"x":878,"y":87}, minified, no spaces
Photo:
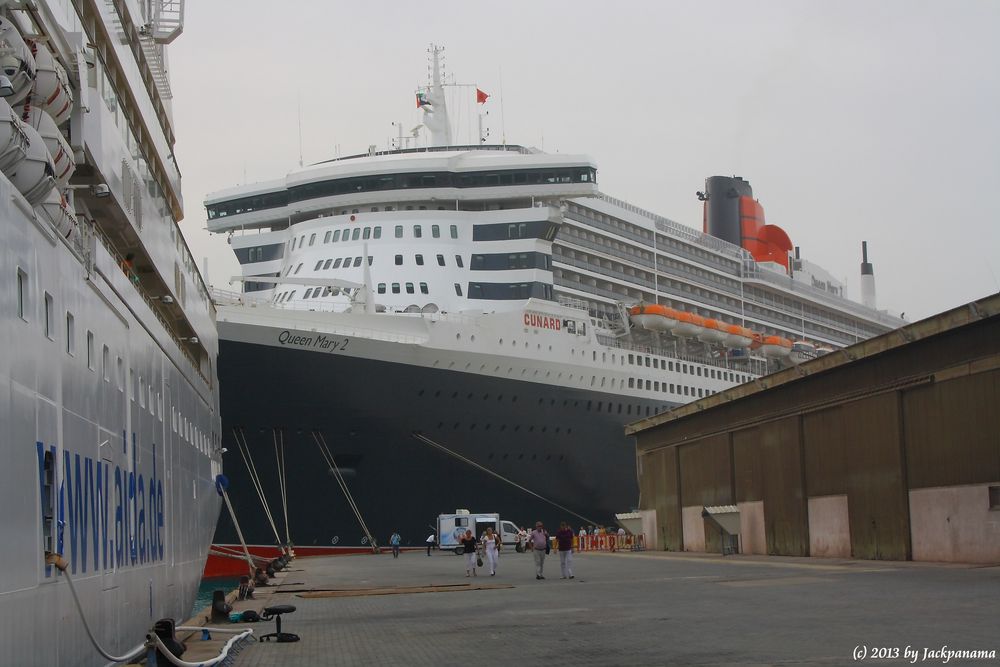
{"x":110,"y":398}
{"x":424,"y":328}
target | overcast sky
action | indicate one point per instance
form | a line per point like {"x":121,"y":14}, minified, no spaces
{"x":853,"y":121}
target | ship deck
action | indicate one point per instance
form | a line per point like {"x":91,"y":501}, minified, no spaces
{"x":626,"y":608}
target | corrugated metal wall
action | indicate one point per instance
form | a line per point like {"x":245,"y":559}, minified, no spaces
{"x":953,"y":431}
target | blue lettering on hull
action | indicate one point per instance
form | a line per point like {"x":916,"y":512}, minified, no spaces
{"x":82,"y":504}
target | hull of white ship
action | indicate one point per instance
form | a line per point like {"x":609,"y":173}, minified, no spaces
{"x":526,"y":449}
{"x":91,"y":469}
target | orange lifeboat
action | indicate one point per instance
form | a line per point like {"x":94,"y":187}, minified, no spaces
{"x":714,"y":331}
{"x":775,"y":347}
{"x":737,"y":336}
{"x":689,"y":324}
{"x":653,"y":317}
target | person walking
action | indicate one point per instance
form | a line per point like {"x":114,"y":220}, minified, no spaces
{"x":469,"y":544}
{"x":539,"y":541}
{"x":491,"y":542}
{"x":394,"y":543}
{"x":431,"y":539}
{"x":564,"y":539}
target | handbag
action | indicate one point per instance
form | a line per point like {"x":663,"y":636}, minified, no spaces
{"x":548,"y":546}
{"x":479,"y":561}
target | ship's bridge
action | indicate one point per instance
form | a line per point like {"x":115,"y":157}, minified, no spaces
{"x":440,"y":178}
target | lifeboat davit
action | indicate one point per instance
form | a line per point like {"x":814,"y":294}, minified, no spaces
{"x":59,"y":148}
{"x":52,"y":91}
{"x":823,"y":349}
{"x":775,"y":347}
{"x":689,"y":325}
{"x":653,"y":317}
{"x":802,"y":351}
{"x":737,"y":336}
{"x":713,"y":331}
{"x":13,"y":140}
{"x":34,"y":176}
{"x":16,"y":63}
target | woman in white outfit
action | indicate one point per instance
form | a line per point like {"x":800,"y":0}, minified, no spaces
{"x":491,"y":542}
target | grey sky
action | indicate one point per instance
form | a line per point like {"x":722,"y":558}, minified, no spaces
{"x":852,"y":120}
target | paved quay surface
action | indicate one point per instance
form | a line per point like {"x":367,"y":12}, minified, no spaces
{"x":648,"y":608}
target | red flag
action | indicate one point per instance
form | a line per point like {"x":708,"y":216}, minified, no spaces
{"x":481,"y":97}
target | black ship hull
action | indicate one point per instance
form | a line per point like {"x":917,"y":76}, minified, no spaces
{"x":563,"y":444}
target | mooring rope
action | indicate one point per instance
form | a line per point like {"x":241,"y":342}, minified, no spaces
{"x":427,"y":441}
{"x":232,"y":514}
{"x":328,"y":455}
{"x":280,"y":435}
{"x":255,"y":478}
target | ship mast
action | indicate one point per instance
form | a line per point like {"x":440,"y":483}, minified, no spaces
{"x":434,"y":106}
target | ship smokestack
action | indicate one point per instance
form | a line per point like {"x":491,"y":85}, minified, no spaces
{"x":722,"y":207}
{"x":867,"y":278}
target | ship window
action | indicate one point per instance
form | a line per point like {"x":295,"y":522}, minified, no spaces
{"x":395,"y":288}
{"x":631,"y":359}
{"x":120,"y":374}
{"x":377,"y":232}
{"x":656,"y":386}
{"x":336,"y":263}
{"x":440,"y":259}
{"x":381,"y":288}
{"x":302,"y":241}
{"x":436,"y":231}
{"x":399,"y":260}
{"x":699,"y":371}
{"x":631,"y":383}
{"x":293,"y":243}
{"x":105,"y":363}
{"x":318,"y":266}
{"x":49,"y":313}
{"x":374,"y":209}
{"x":326,"y":237}
{"x":420,"y":260}
{"x":326,"y":264}
{"x":454,"y":231}
{"x":458,"y":289}
{"x":90,"y":350}
{"x":458,"y":260}
{"x":336,"y":236}
{"x":656,"y":363}
{"x":647,"y":385}
{"x":298,"y":268}
{"x":399,"y":231}
{"x":423,"y":288}
{"x":409,"y":288}
{"x":354,"y":210}
{"x":371,"y":260}
{"x":417,"y":233}
{"x":647,"y":362}
{"x":357,"y":262}
{"x":671,"y":365}
{"x":367,"y":233}
{"x":22,"y":294}
{"x":70,"y":334}
{"x":308,"y":293}
{"x":356,"y":233}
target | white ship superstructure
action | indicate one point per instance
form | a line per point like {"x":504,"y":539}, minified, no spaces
{"x":110,"y":403}
{"x":504,"y":270}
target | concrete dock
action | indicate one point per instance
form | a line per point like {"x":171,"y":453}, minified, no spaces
{"x":631,"y":608}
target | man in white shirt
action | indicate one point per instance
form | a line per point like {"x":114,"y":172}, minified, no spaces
{"x":539,"y":541}
{"x":431,"y":539}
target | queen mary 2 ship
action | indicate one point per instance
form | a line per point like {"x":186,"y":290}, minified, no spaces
{"x":421,"y":329}
{"x":109,"y":399}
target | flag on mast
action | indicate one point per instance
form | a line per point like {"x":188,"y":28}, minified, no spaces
{"x":481,"y":97}
{"x":422,"y":100}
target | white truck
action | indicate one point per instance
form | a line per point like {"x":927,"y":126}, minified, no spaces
{"x":451,"y":528}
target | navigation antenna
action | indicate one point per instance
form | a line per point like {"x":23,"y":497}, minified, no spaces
{"x":432,"y":100}
{"x":298,"y":100}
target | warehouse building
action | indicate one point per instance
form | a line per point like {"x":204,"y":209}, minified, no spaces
{"x":888,"y":449}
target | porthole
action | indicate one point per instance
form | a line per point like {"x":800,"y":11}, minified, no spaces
{"x":454,"y":394}
{"x":505,"y":457}
{"x":455,"y":426}
{"x":420,"y":393}
{"x":520,"y":457}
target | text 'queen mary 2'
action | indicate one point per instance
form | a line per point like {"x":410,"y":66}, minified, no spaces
{"x":109,"y":404}
{"x":471,"y":326}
